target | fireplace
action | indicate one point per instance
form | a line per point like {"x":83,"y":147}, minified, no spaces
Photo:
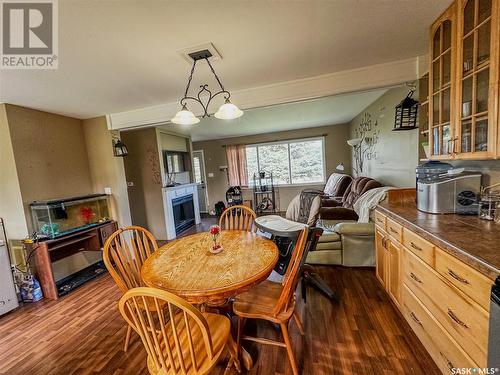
{"x":183,"y":209}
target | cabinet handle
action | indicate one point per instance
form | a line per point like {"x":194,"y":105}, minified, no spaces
{"x":456,"y":277}
{"x":450,"y":149}
{"x":456,"y":320}
{"x":415,"y":319}
{"x":393,"y":230}
{"x":415,"y":246}
{"x":414,"y":277}
{"x":450,"y":365}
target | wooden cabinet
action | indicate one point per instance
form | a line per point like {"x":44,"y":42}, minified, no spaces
{"x":394,"y":277}
{"x":442,"y":85}
{"x":464,"y":82}
{"x":388,"y":256}
{"x":381,"y":255}
{"x":477,"y":78}
{"x":444,"y":300}
{"x":50,"y":251}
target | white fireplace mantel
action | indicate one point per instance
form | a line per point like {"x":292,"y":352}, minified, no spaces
{"x":172,"y":192}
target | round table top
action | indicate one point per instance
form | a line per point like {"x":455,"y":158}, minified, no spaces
{"x":188,"y":269}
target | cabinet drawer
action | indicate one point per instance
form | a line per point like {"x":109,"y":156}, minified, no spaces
{"x":420,"y":247}
{"x":394,"y":229}
{"x":380,"y":220}
{"x":464,"y":319}
{"x":465,"y":278}
{"x":441,"y":346}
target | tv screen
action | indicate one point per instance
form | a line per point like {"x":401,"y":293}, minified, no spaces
{"x":175,"y":161}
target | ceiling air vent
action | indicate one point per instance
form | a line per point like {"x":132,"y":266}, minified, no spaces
{"x":200,"y":51}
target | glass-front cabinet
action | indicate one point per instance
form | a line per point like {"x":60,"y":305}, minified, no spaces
{"x":464,"y":82}
{"x":442,"y":85}
{"x":477,"y":78}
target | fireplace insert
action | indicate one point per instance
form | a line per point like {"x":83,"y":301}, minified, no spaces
{"x":183,"y":208}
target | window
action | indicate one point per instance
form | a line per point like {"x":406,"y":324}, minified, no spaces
{"x":291,"y":162}
{"x":197,"y":169}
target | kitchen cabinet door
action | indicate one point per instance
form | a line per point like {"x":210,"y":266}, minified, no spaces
{"x":442,"y":85}
{"x":477,"y":79}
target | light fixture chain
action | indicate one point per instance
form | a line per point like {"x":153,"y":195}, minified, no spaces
{"x":190,"y":78}
{"x":215,"y":74}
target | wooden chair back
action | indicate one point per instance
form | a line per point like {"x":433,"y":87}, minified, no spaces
{"x":238,"y":217}
{"x":124,"y":254}
{"x":289,"y":283}
{"x":167,"y":328}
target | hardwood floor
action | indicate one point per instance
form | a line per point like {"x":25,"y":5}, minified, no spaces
{"x":83,"y":333}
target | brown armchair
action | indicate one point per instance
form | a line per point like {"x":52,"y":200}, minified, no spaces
{"x":304,"y":207}
{"x":344,"y":240}
{"x":334,"y":209}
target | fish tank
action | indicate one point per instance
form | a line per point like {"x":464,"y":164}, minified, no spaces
{"x":58,"y":217}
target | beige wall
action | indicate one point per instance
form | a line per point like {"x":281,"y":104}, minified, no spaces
{"x":395,"y":153}
{"x":50,"y":155}
{"x":106,"y":170}
{"x":143,"y":169}
{"x":336,"y":151}
{"x":11,"y":203}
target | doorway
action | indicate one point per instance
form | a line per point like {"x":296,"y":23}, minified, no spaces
{"x":200,"y":178}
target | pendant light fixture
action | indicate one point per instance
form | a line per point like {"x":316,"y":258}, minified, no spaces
{"x":227,"y":111}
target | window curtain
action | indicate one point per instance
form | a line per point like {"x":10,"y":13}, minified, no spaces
{"x":237,"y":165}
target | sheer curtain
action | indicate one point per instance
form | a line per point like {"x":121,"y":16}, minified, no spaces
{"x":237,"y":165}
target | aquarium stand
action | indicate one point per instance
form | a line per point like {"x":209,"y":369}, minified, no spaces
{"x":49,"y":251}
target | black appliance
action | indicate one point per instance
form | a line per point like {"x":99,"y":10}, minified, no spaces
{"x":176,"y":161}
{"x":494,"y":331}
{"x":183,"y":208}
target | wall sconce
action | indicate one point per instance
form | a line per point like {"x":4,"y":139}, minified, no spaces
{"x":119,"y":148}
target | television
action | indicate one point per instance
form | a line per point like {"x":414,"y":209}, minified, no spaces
{"x":176,"y":161}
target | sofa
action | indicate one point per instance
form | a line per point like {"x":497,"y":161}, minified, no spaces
{"x":304,"y":207}
{"x":344,"y":240}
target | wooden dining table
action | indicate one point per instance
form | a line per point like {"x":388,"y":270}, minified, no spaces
{"x":187,"y":268}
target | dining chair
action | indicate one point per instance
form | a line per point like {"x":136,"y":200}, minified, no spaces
{"x":178,"y":338}
{"x":124,"y":253}
{"x":238,"y":217}
{"x":274,"y":302}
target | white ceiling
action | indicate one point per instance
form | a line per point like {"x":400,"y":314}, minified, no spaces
{"x":331,"y":110}
{"x":120,"y":55}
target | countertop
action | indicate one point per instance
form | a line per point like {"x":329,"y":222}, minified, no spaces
{"x":468,"y":238}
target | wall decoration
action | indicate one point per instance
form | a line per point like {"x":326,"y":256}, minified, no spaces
{"x":152,"y":156}
{"x":368,"y":133}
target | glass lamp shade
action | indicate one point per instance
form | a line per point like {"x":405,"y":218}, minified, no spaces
{"x":228,"y":111}
{"x":185,"y":117}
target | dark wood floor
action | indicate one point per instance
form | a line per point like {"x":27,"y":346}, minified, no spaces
{"x":83,"y":333}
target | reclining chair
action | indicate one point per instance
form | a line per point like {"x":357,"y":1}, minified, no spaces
{"x":304,"y":207}
{"x":345,"y":241}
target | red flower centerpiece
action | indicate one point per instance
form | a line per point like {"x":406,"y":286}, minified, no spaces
{"x":215,"y":232}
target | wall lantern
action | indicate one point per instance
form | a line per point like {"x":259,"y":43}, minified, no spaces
{"x":119,"y":148}
{"x":406,"y":113}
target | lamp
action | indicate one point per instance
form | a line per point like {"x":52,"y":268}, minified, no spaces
{"x":356,"y":144}
{"x":185,"y":117}
{"x":227,"y":111}
{"x":406,"y":113}
{"x":119,"y":148}
{"x":340,"y":167}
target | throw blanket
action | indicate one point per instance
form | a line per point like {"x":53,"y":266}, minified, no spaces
{"x":368,"y":201}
